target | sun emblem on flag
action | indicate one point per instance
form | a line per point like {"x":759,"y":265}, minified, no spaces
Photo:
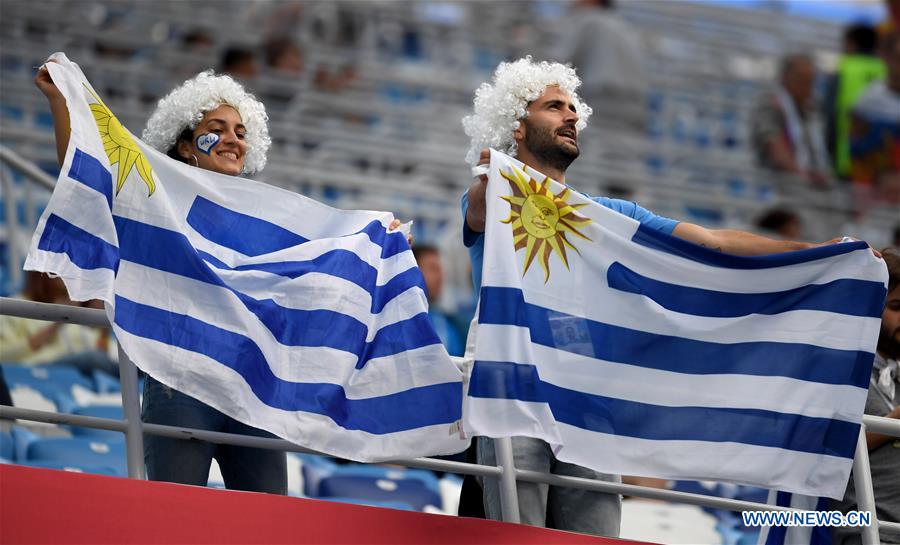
{"x":120,"y":146}
{"x":541,"y":220}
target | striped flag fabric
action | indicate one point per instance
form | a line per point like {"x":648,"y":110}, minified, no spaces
{"x":284,"y":313}
{"x":634,"y":352}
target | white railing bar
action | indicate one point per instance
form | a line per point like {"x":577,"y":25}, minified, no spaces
{"x":862,"y":482}
{"x":424,"y":463}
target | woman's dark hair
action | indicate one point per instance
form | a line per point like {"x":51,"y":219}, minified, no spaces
{"x":187,"y":135}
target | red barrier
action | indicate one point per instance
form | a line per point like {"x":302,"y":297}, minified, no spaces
{"x":49,"y":506}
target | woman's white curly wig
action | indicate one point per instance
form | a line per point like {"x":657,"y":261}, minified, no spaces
{"x":499,"y":107}
{"x":185,"y":106}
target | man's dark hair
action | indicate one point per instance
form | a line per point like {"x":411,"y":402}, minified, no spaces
{"x":863,"y":37}
{"x":421,"y":249}
{"x":776,"y":218}
{"x":891,"y":257}
{"x":234,"y":56}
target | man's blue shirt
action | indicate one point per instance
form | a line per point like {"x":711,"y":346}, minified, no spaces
{"x":475,"y":241}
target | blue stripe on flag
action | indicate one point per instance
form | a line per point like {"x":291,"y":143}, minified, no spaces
{"x":253,"y":236}
{"x":391,"y":243}
{"x":777,"y":534}
{"x":85,"y":250}
{"x":844,"y":296}
{"x":602,"y":414}
{"x":342,"y":264}
{"x":142,"y":244}
{"x":410,"y":409}
{"x":506,"y":306}
{"x":652,"y":238}
{"x":248,"y":235}
{"x":91,"y":172}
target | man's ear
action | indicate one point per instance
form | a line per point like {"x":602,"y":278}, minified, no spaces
{"x":184,"y":149}
{"x":519,"y":132}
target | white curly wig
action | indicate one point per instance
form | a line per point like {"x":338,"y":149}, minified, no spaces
{"x":499,"y":107}
{"x":185,"y":106}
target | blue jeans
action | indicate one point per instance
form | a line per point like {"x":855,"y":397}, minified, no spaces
{"x":569,"y":509}
{"x":187,"y":461}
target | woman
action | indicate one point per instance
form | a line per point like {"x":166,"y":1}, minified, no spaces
{"x":212,"y":123}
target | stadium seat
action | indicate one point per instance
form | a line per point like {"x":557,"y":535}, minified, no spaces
{"x":411,"y":491}
{"x":7,"y":448}
{"x":314,"y":469}
{"x":46,"y":377}
{"x":79,"y":452}
{"x":77,"y":468}
{"x":104,"y":383}
{"x":100,"y":411}
{"x":393,"y":473}
{"x":403,"y":506}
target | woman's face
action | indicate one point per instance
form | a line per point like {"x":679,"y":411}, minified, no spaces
{"x":218,"y":142}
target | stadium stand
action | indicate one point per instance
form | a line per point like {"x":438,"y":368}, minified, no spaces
{"x":390,"y":138}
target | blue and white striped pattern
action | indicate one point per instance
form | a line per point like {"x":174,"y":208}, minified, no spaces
{"x":653,"y":356}
{"x":284,"y":313}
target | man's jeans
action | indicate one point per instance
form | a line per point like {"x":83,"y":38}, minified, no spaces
{"x":187,"y":461}
{"x":568,"y":509}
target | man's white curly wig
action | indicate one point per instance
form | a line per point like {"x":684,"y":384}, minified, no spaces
{"x":499,"y":107}
{"x":185,"y":106}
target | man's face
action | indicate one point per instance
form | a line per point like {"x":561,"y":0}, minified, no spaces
{"x":430,"y":265}
{"x":800,"y":79}
{"x":889,"y":339}
{"x":548,"y":131}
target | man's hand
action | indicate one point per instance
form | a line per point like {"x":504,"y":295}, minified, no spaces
{"x":475,"y":214}
{"x":396,"y":223}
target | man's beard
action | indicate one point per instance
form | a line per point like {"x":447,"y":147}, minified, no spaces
{"x":542,"y":143}
{"x":888,"y":343}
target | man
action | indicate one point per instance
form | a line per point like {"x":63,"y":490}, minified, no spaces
{"x":429,"y":260}
{"x":883,"y":400}
{"x":531,"y":111}
{"x":786,"y":132}
{"x":875,"y":135}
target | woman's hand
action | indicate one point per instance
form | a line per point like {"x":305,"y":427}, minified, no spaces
{"x":46,"y":85}
{"x":58,"y":109}
{"x":396,"y":223}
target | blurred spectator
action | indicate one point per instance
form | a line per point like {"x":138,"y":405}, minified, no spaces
{"x":858,"y":67}
{"x":284,"y":56}
{"x":429,"y":260}
{"x":883,"y":400}
{"x":35,"y":342}
{"x":782,"y":222}
{"x":875,"y":134}
{"x":896,"y":242}
{"x":240,"y":63}
{"x":786,"y":132}
{"x":609,"y":56}
{"x":197,"y":39}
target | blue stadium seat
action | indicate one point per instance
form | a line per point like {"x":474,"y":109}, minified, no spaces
{"x":100,"y":411}
{"x":411,"y":491}
{"x":7,"y":449}
{"x":314,"y":469}
{"x":21,"y":438}
{"x":403,"y":506}
{"x":46,"y":376}
{"x":79,"y":452}
{"x":104,"y":383}
{"x":393,"y":473}
{"x":78,"y":468}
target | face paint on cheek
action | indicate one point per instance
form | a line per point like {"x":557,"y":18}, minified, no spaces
{"x":206,"y":142}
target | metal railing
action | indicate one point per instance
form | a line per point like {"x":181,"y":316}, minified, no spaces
{"x":505,"y":471}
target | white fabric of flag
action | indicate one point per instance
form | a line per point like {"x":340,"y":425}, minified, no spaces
{"x":634,"y":352}
{"x":284,"y":313}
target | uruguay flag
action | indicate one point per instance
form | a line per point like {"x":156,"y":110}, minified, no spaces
{"x":634,"y":352}
{"x":286,"y":314}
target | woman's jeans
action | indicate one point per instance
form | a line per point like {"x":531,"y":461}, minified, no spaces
{"x":187,"y":461}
